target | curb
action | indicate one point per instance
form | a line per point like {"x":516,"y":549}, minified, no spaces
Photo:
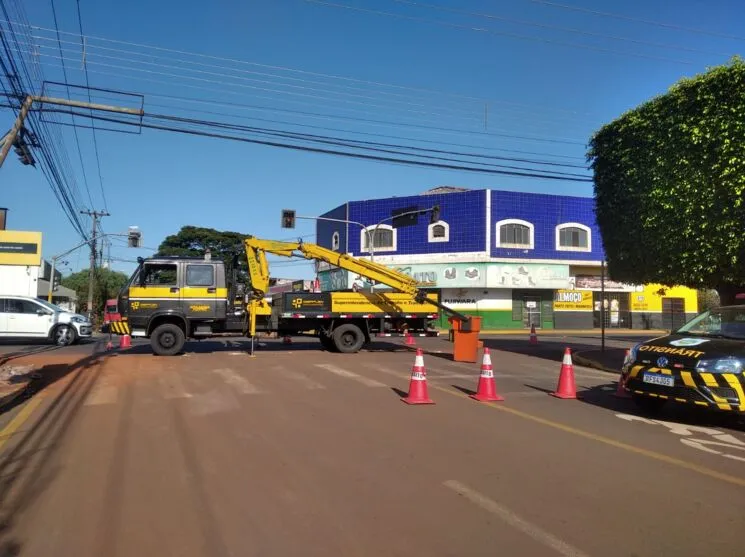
{"x":587,"y":362}
{"x":9,"y":398}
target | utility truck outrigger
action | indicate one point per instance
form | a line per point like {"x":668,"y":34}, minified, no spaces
{"x":172,"y":299}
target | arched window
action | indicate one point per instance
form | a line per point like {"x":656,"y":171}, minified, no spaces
{"x":383,"y":237}
{"x":515,"y":233}
{"x":438,"y":231}
{"x":573,"y":236}
{"x":335,"y":241}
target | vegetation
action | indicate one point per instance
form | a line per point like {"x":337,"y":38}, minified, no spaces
{"x":194,"y":241}
{"x":670,"y":182}
{"x":107,"y":285}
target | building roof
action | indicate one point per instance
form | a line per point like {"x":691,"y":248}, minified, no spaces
{"x":445,"y":189}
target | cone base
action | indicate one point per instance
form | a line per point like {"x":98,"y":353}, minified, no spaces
{"x":417,"y":401}
{"x":564,"y":395}
{"x":486,"y":398}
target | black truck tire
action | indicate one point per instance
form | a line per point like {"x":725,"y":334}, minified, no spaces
{"x":167,"y":339}
{"x":348,"y":338}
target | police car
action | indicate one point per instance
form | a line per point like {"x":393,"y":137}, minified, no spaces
{"x":702,"y":364}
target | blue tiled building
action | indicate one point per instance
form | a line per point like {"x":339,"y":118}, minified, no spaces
{"x":515,"y":259}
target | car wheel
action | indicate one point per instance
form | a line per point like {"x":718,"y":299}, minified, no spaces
{"x":64,"y":335}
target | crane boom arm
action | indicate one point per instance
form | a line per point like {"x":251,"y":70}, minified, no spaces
{"x":258,"y":268}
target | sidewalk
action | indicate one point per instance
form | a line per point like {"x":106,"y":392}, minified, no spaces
{"x":443,"y":332}
{"x":611,"y":360}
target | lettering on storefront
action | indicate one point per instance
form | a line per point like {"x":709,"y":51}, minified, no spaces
{"x":459,"y":301}
{"x":573,"y":300}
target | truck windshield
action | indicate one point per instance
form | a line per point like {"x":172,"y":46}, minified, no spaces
{"x":727,"y":322}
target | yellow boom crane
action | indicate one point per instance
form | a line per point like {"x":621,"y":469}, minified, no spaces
{"x":258,"y":270}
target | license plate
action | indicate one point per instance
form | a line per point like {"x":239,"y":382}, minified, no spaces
{"x":659,"y":379}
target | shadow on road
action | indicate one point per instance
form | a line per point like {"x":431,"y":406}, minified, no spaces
{"x":602,"y":397}
{"x":30,"y":467}
{"x":212,"y":346}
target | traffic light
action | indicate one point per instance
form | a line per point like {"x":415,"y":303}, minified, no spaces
{"x":288,"y":218}
{"x":134,"y":237}
{"x":55,"y":282}
{"x":24,"y":153}
{"x":434,"y":216}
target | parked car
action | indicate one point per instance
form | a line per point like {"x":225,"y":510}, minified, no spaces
{"x":702,"y":364}
{"x":24,"y":317}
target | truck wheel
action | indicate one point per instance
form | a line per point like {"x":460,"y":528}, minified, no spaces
{"x":167,"y":339}
{"x":348,"y":338}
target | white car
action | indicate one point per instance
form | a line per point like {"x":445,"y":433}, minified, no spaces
{"x":25,"y":317}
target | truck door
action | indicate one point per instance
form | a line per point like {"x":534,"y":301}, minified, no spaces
{"x":199,"y":295}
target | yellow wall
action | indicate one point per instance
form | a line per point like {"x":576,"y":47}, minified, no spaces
{"x":20,"y":248}
{"x":650,"y":300}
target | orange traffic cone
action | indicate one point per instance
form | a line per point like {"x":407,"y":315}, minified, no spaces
{"x":409,"y":339}
{"x":418,"y":384}
{"x":620,"y":390}
{"x":125,"y":341}
{"x":566,"y":387}
{"x":487,"y":389}
{"x":533,"y":336}
{"x":109,"y":345}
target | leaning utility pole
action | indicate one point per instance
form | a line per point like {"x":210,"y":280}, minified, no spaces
{"x":91,"y":275}
{"x":10,"y":138}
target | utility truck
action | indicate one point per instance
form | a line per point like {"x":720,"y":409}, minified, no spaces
{"x":172,"y":299}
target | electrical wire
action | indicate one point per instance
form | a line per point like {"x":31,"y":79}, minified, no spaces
{"x":305,"y":148}
{"x":495,"y":32}
{"x":638,"y":20}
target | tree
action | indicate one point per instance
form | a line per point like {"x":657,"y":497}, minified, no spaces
{"x":194,"y":241}
{"x":669,"y":185}
{"x":107,"y":285}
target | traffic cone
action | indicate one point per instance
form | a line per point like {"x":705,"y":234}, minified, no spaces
{"x":533,"y":336}
{"x":487,"y":389}
{"x":409,"y":339}
{"x":418,"y":384}
{"x":125,"y":341}
{"x":566,"y":387}
{"x":620,"y":390}
{"x":109,"y":345}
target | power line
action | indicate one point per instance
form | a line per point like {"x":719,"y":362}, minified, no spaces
{"x":87,"y":83}
{"x":495,"y":32}
{"x":638,"y":20}
{"x":554,"y":27}
{"x":305,"y":148}
{"x":74,"y":127}
{"x":293,"y":70}
{"x":440,"y":129}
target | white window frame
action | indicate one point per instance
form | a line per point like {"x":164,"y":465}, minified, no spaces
{"x":501,"y":223}
{"x":581,"y":226}
{"x":371,"y":230}
{"x":335,"y":241}
{"x":431,"y":232}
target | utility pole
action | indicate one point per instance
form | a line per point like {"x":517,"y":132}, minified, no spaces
{"x":11,"y":137}
{"x":95,"y":215}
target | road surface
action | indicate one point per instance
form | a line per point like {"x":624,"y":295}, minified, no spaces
{"x":297,"y":451}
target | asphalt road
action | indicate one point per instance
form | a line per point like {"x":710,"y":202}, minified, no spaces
{"x":300,"y":452}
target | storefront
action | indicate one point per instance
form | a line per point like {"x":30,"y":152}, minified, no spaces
{"x":547,"y":296}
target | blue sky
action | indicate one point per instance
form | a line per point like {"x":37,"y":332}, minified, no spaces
{"x":426,"y":76}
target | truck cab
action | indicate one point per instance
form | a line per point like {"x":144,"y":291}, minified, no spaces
{"x":189,"y":294}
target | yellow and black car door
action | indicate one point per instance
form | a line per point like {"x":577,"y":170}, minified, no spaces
{"x":200,"y":294}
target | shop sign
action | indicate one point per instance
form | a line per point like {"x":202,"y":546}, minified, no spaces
{"x":20,"y":248}
{"x":477,"y":299}
{"x":573,"y":300}
{"x":593,"y":282}
{"x":334,"y":280}
{"x":528,"y":275}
